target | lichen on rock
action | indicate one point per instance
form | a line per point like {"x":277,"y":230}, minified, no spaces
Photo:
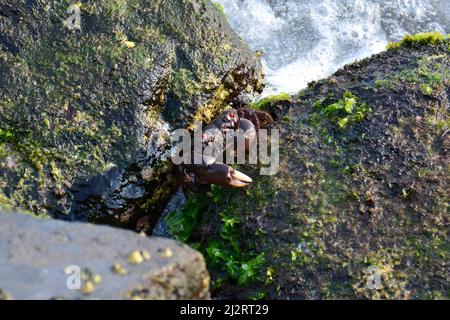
{"x":71,"y":260}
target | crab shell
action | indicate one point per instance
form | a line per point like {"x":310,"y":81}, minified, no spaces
{"x":213,"y":144}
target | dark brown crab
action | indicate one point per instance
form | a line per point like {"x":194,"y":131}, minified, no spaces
{"x":211,"y":171}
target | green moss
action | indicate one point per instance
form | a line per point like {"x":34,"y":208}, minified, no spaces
{"x":238,"y":266}
{"x":430,"y":73}
{"x":271,"y":100}
{"x":4,"y":206}
{"x":382,"y":83}
{"x":424,"y":38}
{"x":184,"y":84}
{"x":426,"y":89}
{"x":219,"y":7}
{"x":116,"y":9}
{"x":184,"y":221}
{"x":6,"y":136}
{"x":4,"y":152}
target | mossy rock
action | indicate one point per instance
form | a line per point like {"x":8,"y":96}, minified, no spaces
{"x":351,"y":197}
{"x":84,"y":112}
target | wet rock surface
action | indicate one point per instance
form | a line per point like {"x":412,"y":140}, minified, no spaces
{"x":359,"y":207}
{"x":36,"y":256}
{"x":85,"y":110}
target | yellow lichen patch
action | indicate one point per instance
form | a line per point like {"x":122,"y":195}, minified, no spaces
{"x":123,"y":40}
{"x":96,"y":279}
{"x":138,"y":256}
{"x":145,"y":255}
{"x":46,"y":123}
{"x":206,"y":113}
{"x":116,"y":131}
{"x":129,"y":44}
{"x":212,"y":81}
{"x":56,"y":173}
{"x":227,"y":47}
{"x":165,"y":253}
{"x":119,"y":269}
{"x":135,"y":257}
{"x":4,"y":295}
{"x":88,"y":287}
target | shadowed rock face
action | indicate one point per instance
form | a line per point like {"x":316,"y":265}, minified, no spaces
{"x":84,"y":114}
{"x":36,"y":256}
{"x":368,"y":191}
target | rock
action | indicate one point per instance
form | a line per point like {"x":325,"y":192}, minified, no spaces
{"x":89,"y":92}
{"x":37,"y":259}
{"x":177,"y":201}
{"x":360,"y":194}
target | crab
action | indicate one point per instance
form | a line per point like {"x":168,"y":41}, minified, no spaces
{"x":211,"y":171}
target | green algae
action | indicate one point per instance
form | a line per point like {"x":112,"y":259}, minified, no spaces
{"x":6,"y":136}
{"x":225,"y":253}
{"x":424,"y":38}
{"x":271,"y":100}
{"x":219,"y":7}
{"x":428,"y":73}
{"x":184,"y":221}
{"x":344,"y":112}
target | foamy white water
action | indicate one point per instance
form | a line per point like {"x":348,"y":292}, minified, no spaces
{"x":306,"y":40}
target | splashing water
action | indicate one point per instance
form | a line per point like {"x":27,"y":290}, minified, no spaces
{"x":306,"y":40}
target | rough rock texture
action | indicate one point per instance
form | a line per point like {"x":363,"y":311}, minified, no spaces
{"x":84,"y":113}
{"x":35,"y":255}
{"x":359,"y":194}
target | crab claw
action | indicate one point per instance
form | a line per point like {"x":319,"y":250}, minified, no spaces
{"x":223,"y":175}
